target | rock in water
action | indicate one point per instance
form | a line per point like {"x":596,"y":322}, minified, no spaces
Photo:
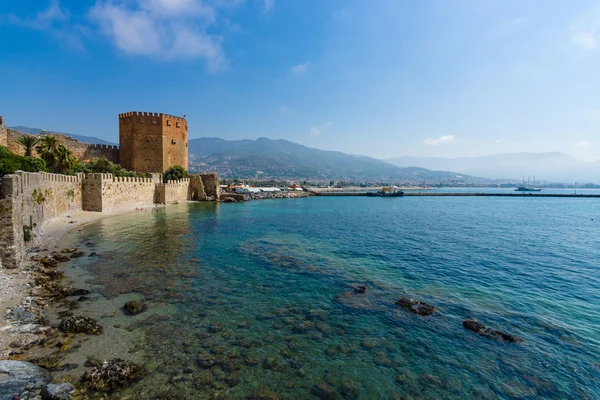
{"x":135,"y":307}
{"x":17,"y":377}
{"x":57,"y":391}
{"x":416,"y":306}
{"x":476,"y":326}
{"x":80,"y":324}
{"x":112,"y":374}
{"x":60,"y":257}
{"x":360,"y":289}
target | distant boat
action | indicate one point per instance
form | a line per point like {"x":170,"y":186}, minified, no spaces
{"x":388,"y":191}
{"x":525,"y":188}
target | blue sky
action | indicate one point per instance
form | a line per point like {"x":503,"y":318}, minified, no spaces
{"x":383,"y":78}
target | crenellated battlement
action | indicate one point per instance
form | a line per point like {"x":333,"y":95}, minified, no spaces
{"x":150,"y":114}
{"x":101,"y":146}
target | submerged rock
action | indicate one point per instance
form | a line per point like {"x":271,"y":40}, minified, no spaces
{"x":112,"y":374}
{"x":93,"y":254}
{"x":77,"y":254}
{"x":57,"y":391}
{"x":50,"y":362}
{"x":71,"y":291}
{"x":350,"y":390}
{"x":48,"y":262}
{"x":80,"y":324}
{"x":135,"y":307}
{"x":17,"y":377}
{"x":60,"y":257}
{"x":264,"y":394}
{"x":324,"y":392}
{"x":360,"y":289}
{"x":476,"y":326}
{"x":416,"y":306}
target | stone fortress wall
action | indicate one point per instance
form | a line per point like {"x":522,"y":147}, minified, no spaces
{"x":29,"y":201}
{"x":152,"y":142}
{"x":3,"y":133}
{"x":173,"y":191}
{"x":81,"y":151}
{"x":103,"y":192}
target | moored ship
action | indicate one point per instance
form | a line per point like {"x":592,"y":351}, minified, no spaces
{"x":527,"y":188}
{"x":387,"y":191}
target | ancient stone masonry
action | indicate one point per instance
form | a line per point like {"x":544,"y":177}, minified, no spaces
{"x":28,"y":201}
{"x":152,"y":142}
{"x":173,"y":191}
{"x":103,"y":192}
{"x":3,"y":133}
{"x":211,"y":185}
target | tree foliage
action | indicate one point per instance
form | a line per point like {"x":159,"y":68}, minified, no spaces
{"x":10,"y":162}
{"x":174,"y":173}
{"x":28,"y":142}
{"x":102,"y":165}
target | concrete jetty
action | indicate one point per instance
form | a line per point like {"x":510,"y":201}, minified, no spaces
{"x":461,"y":194}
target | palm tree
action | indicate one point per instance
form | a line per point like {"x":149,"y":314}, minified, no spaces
{"x":48,"y":147}
{"x":28,"y":142}
{"x":64,"y":158}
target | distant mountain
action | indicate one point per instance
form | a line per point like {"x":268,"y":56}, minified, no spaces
{"x":281,"y":158}
{"x":552,"y":166}
{"x":80,"y":138}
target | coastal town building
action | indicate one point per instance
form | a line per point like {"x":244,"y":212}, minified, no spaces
{"x":152,"y":142}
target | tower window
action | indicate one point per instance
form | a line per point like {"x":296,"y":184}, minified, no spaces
{"x":147,"y":140}
{"x":141,"y":120}
{"x":173,"y":141}
{"x":169,"y":123}
{"x":178,"y":125}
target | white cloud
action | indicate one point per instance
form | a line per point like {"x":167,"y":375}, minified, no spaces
{"x":268,"y":5}
{"x":162,"y":29}
{"x":583,"y":143}
{"x":317,"y":130}
{"x":299,"y":69}
{"x":586,"y":40}
{"x":44,"y":19}
{"x":499,"y":141}
{"x":56,"y":21}
{"x":444,"y":139}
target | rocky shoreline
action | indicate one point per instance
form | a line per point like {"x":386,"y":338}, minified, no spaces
{"x":29,"y":376}
{"x":26,"y":293}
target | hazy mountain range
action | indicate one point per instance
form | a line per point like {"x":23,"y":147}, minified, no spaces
{"x":552,"y":166}
{"x":281,"y":158}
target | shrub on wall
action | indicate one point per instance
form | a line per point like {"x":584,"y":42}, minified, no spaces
{"x":10,"y":162}
{"x":174,"y":173}
{"x":102,"y":165}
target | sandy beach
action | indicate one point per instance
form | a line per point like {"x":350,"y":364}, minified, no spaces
{"x":17,"y":287}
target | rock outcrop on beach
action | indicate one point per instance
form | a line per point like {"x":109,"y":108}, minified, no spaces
{"x":19,"y":379}
{"x":80,"y":324}
{"x":57,"y":391}
{"x":479,"y":328}
{"x":135,"y":307}
{"x":112,"y":374}
{"x":416,"y":306}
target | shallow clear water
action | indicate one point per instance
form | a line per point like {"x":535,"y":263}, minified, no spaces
{"x":255,"y":296}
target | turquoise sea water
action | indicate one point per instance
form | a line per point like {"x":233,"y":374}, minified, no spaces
{"x":253,"y":297}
